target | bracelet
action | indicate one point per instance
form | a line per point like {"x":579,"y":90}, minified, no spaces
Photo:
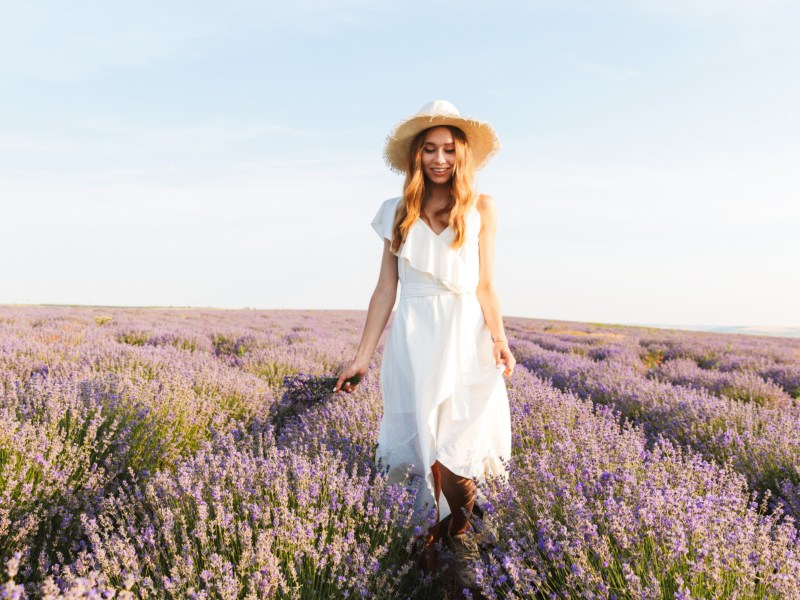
{"x":501,"y":340}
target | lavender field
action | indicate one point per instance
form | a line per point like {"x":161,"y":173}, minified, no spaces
{"x":179,"y":453}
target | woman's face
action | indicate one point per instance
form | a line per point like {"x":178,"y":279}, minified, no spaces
{"x":438,"y":155}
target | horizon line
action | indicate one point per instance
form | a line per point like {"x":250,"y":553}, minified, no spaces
{"x":790,"y":331}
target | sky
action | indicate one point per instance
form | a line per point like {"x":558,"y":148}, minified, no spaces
{"x":212,"y":154}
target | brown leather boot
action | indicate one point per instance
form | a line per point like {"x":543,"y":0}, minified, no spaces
{"x":465,"y":554}
{"x":429,"y":551}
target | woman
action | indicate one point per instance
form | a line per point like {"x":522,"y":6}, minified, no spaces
{"x":445,"y":405}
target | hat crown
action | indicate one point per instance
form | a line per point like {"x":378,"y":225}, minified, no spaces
{"x":435,"y":108}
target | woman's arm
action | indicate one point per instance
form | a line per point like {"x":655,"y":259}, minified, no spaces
{"x":380,"y":307}
{"x":490,"y":304}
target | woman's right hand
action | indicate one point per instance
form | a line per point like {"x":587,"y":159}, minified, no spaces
{"x":350,"y":376}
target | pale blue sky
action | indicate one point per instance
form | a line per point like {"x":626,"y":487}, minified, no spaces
{"x":229,"y":154}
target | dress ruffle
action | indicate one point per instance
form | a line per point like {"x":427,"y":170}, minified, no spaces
{"x":422,"y":251}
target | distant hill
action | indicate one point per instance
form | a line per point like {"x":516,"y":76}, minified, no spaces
{"x":792,"y":332}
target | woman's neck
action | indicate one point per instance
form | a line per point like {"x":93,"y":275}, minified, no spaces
{"x":436,"y":196}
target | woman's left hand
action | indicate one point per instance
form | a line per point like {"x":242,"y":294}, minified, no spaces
{"x":502,"y":356}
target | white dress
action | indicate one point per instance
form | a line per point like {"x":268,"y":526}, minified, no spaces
{"x":443,"y":397}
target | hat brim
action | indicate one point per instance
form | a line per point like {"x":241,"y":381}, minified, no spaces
{"x":480,"y":135}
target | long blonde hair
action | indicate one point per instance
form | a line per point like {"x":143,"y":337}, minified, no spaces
{"x":461,"y":191}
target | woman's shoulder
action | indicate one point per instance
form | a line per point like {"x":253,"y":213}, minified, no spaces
{"x":485,"y":206}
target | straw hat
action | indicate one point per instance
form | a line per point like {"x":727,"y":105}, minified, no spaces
{"x":482,"y":138}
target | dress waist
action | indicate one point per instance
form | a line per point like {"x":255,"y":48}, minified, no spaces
{"x":460,"y":366}
{"x":416,"y":289}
